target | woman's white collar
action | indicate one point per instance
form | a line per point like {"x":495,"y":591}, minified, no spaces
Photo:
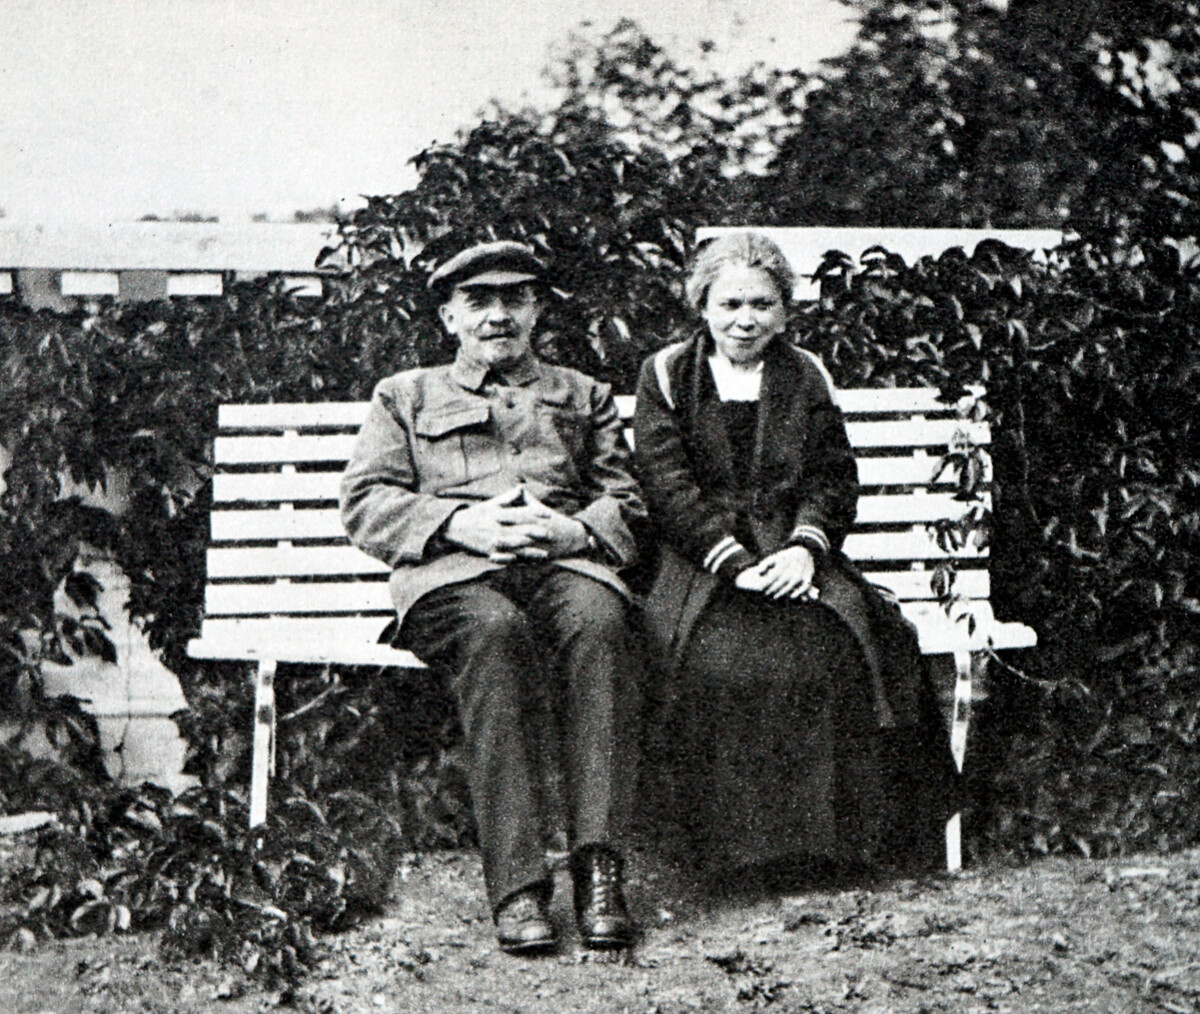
{"x":734,"y":384}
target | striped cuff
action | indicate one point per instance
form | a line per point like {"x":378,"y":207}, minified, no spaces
{"x":810,"y":536}
{"x":728,"y":558}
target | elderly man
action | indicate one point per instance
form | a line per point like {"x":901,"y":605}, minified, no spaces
{"x":499,"y":489}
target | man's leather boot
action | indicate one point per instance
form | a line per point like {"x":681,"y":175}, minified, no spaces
{"x":600,"y":909}
{"x":521,"y":923}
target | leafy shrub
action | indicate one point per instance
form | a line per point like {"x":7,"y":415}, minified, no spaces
{"x":1092,"y":363}
{"x":124,"y":859}
{"x":127,"y":394}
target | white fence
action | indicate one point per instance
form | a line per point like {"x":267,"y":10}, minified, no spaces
{"x":48,"y":266}
{"x":806,"y":247}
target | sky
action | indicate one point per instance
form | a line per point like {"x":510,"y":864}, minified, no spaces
{"x":112,"y":109}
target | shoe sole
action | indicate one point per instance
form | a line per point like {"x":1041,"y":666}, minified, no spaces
{"x":607,"y":943}
{"x":528,"y":947}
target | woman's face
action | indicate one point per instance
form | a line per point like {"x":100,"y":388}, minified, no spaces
{"x":744,"y":311}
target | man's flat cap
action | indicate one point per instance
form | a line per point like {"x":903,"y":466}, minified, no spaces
{"x":504,"y":262}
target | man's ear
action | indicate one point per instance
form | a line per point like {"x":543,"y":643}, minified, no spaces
{"x":446,"y":315}
{"x":539,"y":302}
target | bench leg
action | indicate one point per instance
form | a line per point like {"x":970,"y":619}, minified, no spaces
{"x":960,"y":719}
{"x":264,"y":740}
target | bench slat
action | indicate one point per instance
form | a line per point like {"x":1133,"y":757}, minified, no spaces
{"x":905,"y":508}
{"x":342,"y":640}
{"x":292,"y":415}
{"x":914,"y":585}
{"x":896,"y":400}
{"x":248,"y":525}
{"x":359,"y":596}
{"x":291,"y":561}
{"x":326,"y":523}
{"x":337,"y":447}
{"x":902,"y":401}
{"x":352,"y":640}
{"x":350,"y":414}
{"x":301,"y":597}
{"x":938,"y":633}
{"x":909,"y":545}
{"x":335,"y":629}
{"x":301,"y":561}
{"x":916,"y":433}
{"x":276,"y":487}
{"x":267,"y":450}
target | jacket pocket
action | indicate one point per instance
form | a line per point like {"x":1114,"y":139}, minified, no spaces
{"x":435,"y":425}
{"x":454,"y":447}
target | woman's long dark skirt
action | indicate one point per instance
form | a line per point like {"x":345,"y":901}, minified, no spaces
{"x":776,"y":740}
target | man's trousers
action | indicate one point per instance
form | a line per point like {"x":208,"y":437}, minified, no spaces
{"x":535,"y":631}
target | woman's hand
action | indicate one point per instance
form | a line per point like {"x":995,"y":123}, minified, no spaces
{"x":786,"y":574}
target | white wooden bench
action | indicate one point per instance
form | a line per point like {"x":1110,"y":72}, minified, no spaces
{"x":285,"y":585}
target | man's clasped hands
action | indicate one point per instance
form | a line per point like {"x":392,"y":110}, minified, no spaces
{"x":516,"y":525}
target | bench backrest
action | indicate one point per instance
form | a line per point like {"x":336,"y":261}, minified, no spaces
{"x":279,"y":558}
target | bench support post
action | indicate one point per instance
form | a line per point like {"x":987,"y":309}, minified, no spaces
{"x":264,"y":740}
{"x":960,"y":719}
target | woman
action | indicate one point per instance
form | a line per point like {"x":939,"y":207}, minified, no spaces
{"x":800,"y":712}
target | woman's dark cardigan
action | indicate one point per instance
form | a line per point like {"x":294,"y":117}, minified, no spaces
{"x":803,"y":477}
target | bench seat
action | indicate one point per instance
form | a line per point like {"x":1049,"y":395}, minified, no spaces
{"x":354,"y":640}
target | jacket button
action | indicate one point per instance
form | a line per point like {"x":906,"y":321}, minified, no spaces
{"x":514,"y":450}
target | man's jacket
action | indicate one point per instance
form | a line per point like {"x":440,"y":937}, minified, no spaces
{"x":440,"y":438}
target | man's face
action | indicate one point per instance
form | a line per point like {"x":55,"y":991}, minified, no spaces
{"x":493,"y":323}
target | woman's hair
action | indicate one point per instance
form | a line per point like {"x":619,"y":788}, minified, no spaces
{"x":743,"y":249}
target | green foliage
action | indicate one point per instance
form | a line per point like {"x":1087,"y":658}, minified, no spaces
{"x":123,"y":397}
{"x":1092,"y":364}
{"x":953,"y":113}
{"x":1029,"y":113}
{"x":713,"y":129}
{"x":125,"y":860}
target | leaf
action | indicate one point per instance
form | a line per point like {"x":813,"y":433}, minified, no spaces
{"x":119,"y":919}
{"x":38,"y":899}
{"x":942,"y":581}
{"x":145,"y":818}
{"x":91,"y":887}
{"x":82,"y":911}
{"x":82,"y":588}
{"x":1135,"y":730}
{"x":96,"y":642}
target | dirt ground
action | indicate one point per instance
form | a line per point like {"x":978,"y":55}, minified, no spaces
{"x":1058,"y":935}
